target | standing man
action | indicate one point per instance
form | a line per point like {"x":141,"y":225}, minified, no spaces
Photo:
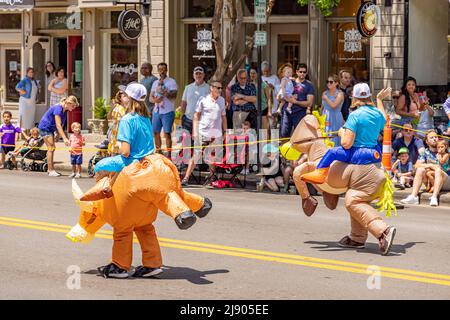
{"x":163,"y":95}
{"x":147,"y":82}
{"x":345,"y":83}
{"x":272,"y":81}
{"x":210,"y":122}
{"x":243,"y":99}
{"x":192,"y":94}
{"x":304,"y":90}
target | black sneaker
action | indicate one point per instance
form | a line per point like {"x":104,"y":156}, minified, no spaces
{"x":347,"y":242}
{"x":144,"y":272}
{"x":184,"y":183}
{"x":113,"y":271}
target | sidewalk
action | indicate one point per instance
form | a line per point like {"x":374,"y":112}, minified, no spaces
{"x":62,"y":164}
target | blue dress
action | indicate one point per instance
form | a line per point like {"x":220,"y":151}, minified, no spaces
{"x":334,"y":118}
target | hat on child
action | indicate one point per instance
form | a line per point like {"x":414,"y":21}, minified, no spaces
{"x":136,"y":91}
{"x":403,"y":150}
{"x":361,"y":91}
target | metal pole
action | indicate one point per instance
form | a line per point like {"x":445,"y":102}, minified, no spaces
{"x":259,"y":101}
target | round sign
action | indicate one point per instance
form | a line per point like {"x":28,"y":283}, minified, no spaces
{"x":130,"y":24}
{"x":368,"y":19}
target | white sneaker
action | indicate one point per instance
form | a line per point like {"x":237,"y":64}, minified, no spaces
{"x":78,"y":176}
{"x":410,"y":200}
{"x":53,"y":174}
{"x":72,"y":175}
{"x":433,"y":202}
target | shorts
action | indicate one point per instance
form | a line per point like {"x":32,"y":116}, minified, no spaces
{"x":44,"y":133}
{"x":5,"y":150}
{"x":163,"y":121}
{"x":76,"y":159}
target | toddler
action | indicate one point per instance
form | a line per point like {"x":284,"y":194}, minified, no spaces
{"x":286,"y":90}
{"x":8,"y":134}
{"x":403,"y":169}
{"x":443,"y":158}
{"x":76,"y":143}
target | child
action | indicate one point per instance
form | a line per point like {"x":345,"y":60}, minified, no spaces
{"x":272,"y":174}
{"x":35,"y":141}
{"x":403,"y":169}
{"x":76,"y":143}
{"x":8,"y":134}
{"x":286,"y":90}
{"x":117,"y":113}
{"x":365,"y":124}
{"x":443,"y":158}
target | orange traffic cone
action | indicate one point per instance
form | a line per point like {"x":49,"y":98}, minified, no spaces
{"x":386,"y":159}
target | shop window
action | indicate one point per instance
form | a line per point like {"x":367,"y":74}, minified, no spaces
{"x":349,"y":51}
{"x":63,"y":20}
{"x":201,"y":51}
{"x":114,"y":18}
{"x":123,"y":66}
{"x":281,"y":7}
{"x":200,"y":8}
{"x":13,"y":75}
{"x":11,"y":21}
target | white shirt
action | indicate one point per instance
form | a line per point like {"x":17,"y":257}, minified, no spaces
{"x":167,"y":105}
{"x":192,"y":94}
{"x":211,"y":112}
{"x":273,"y":80}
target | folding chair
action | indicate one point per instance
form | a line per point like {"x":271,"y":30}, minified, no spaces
{"x":182,"y":158}
{"x":233,"y":161}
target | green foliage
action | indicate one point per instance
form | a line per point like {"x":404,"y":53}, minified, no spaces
{"x":324,"y":6}
{"x":101,"y":108}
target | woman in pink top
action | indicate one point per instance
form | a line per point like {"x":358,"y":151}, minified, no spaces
{"x":409,"y":103}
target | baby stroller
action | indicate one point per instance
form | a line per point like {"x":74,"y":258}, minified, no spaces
{"x":33,"y":159}
{"x":101,"y":153}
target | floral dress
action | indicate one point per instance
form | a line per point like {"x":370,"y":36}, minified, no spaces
{"x":117,"y":114}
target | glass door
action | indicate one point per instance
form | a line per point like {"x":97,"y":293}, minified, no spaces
{"x":11,"y":72}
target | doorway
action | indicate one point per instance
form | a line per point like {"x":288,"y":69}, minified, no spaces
{"x":288,"y":44}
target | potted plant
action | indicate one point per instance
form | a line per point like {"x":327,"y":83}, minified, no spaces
{"x":99,"y":124}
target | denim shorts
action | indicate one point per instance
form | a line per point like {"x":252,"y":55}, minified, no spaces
{"x":76,"y":159}
{"x":163,"y":121}
{"x":44,"y":133}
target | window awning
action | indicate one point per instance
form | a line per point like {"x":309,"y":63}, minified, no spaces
{"x":16,"y":5}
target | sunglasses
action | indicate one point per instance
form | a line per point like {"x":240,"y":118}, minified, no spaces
{"x":218,"y":88}
{"x":395,"y":97}
{"x":330,"y":82}
{"x":301,"y":71}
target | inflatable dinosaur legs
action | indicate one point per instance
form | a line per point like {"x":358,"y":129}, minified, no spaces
{"x":139,"y":191}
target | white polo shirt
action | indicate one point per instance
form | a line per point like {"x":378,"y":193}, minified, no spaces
{"x":192,"y":94}
{"x":167,"y":105}
{"x":211,"y":112}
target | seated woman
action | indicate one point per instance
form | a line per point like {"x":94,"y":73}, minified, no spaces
{"x":359,"y":135}
{"x":136,"y":137}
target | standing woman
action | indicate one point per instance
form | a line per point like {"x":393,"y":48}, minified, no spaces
{"x":50,"y":73}
{"x":408,"y":103}
{"x":27,"y":89}
{"x":332,"y":100}
{"x":58,"y":87}
{"x":53,"y":121}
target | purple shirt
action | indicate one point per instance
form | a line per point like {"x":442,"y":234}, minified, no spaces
{"x":48,"y":122}
{"x":9,"y":135}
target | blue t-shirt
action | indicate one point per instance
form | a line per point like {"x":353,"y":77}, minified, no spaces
{"x":405,"y":168}
{"x":303,"y":89}
{"x":138,"y":132}
{"x":366,"y":122}
{"x":413,"y":147}
{"x":48,"y":123}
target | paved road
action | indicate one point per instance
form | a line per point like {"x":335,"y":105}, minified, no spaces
{"x":251,"y":246}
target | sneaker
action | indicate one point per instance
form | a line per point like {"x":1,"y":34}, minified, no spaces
{"x":184,"y":183}
{"x":433,"y":202}
{"x":347,"y":242}
{"x":386,"y":240}
{"x":144,"y":272}
{"x":410,"y":200}
{"x":113,"y":271}
{"x":72,"y":175}
{"x":53,"y":174}
{"x":78,"y":176}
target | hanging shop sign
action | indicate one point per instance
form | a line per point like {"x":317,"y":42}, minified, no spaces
{"x":16,"y":4}
{"x":204,"y":43}
{"x":352,"y":41}
{"x":368,"y":19}
{"x":130,"y":24}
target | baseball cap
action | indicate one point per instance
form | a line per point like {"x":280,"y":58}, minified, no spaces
{"x":361,"y":91}
{"x":136,"y":91}
{"x":199,"y":69}
{"x":403,"y":150}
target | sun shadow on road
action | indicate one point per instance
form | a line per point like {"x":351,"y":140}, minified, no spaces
{"x":189,"y":274}
{"x":397,"y":249}
{"x":176,"y":273}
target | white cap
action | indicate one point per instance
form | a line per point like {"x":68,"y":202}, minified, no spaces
{"x":136,"y":91}
{"x":361,"y":91}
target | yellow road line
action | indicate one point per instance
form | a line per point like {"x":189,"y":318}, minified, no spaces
{"x":252,"y":254}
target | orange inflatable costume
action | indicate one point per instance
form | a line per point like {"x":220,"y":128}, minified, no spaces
{"x":139,"y":191}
